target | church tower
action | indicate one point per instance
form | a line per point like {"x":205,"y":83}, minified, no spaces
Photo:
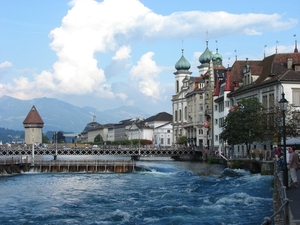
{"x":182,"y":70}
{"x":204,"y":60}
{"x":33,"y":125}
{"x":179,"y":104}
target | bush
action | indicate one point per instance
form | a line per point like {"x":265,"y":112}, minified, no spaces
{"x":212,"y":160}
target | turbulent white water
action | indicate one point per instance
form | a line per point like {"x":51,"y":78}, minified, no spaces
{"x":171,"y":193}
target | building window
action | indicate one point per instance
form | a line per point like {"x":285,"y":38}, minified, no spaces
{"x":216,"y":137}
{"x":221,"y":107}
{"x":176,"y":119}
{"x":216,"y":121}
{"x":296,"y":97}
{"x":227,"y":103}
{"x":168,"y":131}
{"x":185,"y":112}
{"x":216,"y":107}
{"x":271,"y":101}
{"x":201,"y":96}
{"x":201,"y":118}
{"x":200,"y":131}
{"x":169,"y":141}
{"x":180,"y":115}
{"x":201,"y":107}
{"x":177,"y":86}
{"x":161,"y":141}
{"x":221,"y":121}
{"x":265,"y":101}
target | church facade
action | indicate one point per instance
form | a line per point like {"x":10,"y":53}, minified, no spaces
{"x":201,"y":103}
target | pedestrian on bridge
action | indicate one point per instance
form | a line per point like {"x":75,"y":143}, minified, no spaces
{"x":293,"y":166}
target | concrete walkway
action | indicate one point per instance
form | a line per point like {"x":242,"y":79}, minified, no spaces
{"x":293,"y":194}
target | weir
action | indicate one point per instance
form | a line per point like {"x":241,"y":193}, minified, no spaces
{"x":57,"y":166}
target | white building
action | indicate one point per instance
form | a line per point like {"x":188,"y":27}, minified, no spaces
{"x":265,"y":79}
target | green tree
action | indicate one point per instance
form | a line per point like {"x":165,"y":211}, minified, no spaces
{"x":292,"y":122}
{"x":58,"y":137}
{"x":181,"y":140}
{"x":98,"y":138}
{"x":45,"y":139}
{"x":246,"y":123}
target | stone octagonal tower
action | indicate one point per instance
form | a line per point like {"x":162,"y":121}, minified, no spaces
{"x":33,"y":125}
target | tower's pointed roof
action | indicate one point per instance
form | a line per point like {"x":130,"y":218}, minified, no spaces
{"x":296,"y":47}
{"x":228,"y":86}
{"x":217,"y":89}
{"x":33,"y":117}
{"x":182,"y":63}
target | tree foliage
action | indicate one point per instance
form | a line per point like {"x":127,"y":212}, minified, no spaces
{"x":45,"y":139}
{"x":181,"y":140}
{"x":292,"y":121}
{"x":246,"y":123}
{"x":58,"y":137}
{"x":98,"y":138}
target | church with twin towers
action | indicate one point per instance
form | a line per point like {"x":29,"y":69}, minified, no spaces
{"x":200,"y":103}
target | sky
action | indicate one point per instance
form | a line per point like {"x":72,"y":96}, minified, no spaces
{"x":112,"y":53}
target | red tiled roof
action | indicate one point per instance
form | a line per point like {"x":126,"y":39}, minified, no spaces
{"x":33,"y":117}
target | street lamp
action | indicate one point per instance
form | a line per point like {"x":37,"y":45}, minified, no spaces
{"x":283,"y":103}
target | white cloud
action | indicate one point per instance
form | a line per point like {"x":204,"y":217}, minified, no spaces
{"x":123,"y":53}
{"x":122,"y":96}
{"x":112,"y":27}
{"x":5,"y":64}
{"x":145,"y":74}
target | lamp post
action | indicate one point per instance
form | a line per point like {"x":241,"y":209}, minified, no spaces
{"x":283,"y":103}
{"x":55,"y":139}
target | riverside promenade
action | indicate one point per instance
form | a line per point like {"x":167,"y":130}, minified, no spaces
{"x":293,"y":194}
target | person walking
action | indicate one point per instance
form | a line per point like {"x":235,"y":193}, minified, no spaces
{"x":293,"y":166}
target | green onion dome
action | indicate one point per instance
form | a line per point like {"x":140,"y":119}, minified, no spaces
{"x":206,"y":55}
{"x":182,"y":63}
{"x":216,"y":56}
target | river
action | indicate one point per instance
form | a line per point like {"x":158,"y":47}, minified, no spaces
{"x":171,"y":192}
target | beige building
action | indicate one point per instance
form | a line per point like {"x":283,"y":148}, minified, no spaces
{"x":193,"y":100}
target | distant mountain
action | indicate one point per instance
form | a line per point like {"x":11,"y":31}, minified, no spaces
{"x":60,"y":116}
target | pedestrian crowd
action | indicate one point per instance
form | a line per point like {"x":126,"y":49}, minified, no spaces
{"x":292,"y":161}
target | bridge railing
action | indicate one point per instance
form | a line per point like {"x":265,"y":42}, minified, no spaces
{"x":83,"y":162}
{"x":100,"y":147}
{"x":109,"y":150}
{"x":281,"y":214}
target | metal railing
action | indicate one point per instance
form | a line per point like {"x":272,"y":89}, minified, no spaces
{"x":83,"y":162}
{"x":281,"y":204}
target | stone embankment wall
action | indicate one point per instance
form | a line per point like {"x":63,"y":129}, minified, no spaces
{"x":254,"y":166}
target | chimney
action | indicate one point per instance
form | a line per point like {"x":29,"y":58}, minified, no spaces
{"x":289,"y":63}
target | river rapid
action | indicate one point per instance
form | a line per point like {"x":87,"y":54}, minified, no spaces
{"x":169,"y":192}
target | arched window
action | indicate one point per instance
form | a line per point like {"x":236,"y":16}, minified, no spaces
{"x":175,"y":116}
{"x":177,"y":86}
{"x":180,"y":116}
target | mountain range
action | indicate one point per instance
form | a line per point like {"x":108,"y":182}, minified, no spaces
{"x":59,"y":115}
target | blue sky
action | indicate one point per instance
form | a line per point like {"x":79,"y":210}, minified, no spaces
{"x":112,"y":53}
